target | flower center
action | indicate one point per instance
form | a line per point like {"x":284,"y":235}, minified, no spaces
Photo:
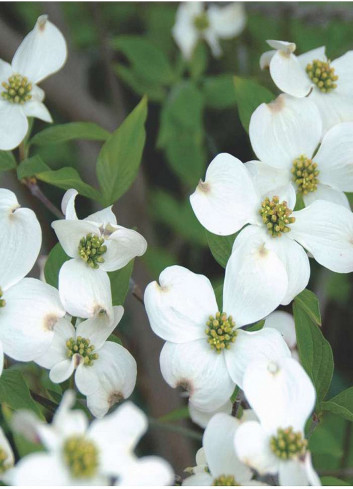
{"x":305,"y":174}
{"x":2,"y":301}
{"x":82,"y":347}
{"x":17,"y":89}
{"x":276,"y":216}
{"x":220,"y":331}
{"x":81,"y":455}
{"x":225,"y":480}
{"x":91,"y":249}
{"x":322,"y":75}
{"x":288,"y":444}
{"x":201,"y":22}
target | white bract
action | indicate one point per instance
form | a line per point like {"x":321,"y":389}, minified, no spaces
{"x":285,"y":135}
{"x":206,"y":351}
{"x":41,"y":53}
{"x":327,"y":84}
{"x":283,"y":397}
{"x":104,"y":370}
{"x":82,"y":454}
{"x":270,"y":251}
{"x":218,"y":463}
{"x":29,"y":308}
{"x":194,"y":22}
{"x":202,"y":418}
{"x":284,"y":323}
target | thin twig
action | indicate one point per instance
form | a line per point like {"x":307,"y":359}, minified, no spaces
{"x":315,"y":422}
{"x":155,"y":423}
{"x":36,"y":192}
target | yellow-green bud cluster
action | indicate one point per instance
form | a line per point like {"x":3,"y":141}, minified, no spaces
{"x":17,"y":89}
{"x":225,"y":480}
{"x":3,"y":457}
{"x":2,"y":301}
{"x":321,"y":73}
{"x":91,"y":249}
{"x":220,"y":331}
{"x":201,"y":22}
{"x":82,"y":347}
{"x":81,"y":456}
{"x":305,"y":174}
{"x":288,"y":444}
{"x":276,"y":216}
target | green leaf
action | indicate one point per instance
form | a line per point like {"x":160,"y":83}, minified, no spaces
{"x":115,"y":339}
{"x":7,"y":161}
{"x":120,"y":157}
{"x":220,"y":246}
{"x":314,"y":350}
{"x":218,"y":91}
{"x":176,"y":414}
{"x":155,"y":93}
{"x":249,"y":95}
{"x":147,"y":60}
{"x":67,"y":132}
{"x":120,"y":280}
{"x":342,"y":404}
{"x":31,"y":166}
{"x":67,"y":178}
{"x":57,"y":257}
{"x":333,"y":481}
{"x":310,"y":304}
{"x":198,"y":62}
{"x":15,"y":392}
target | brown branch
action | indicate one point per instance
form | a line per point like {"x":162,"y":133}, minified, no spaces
{"x":36,"y":191}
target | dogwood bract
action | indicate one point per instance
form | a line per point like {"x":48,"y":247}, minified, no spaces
{"x":284,"y":323}
{"x":283,"y":397}
{"x":104,"y":370}
{"x":194,"y":22}
{"x":206,"y":352}
{"x":41,"y":53}
{"x":224,"y":467}
{"x":285,"y":135}
{"x":29,"y":308}
{"x":82,"y":454}
{"x":312,"y":75}
{"x":272,"y":245}
{"x":202,"y":418}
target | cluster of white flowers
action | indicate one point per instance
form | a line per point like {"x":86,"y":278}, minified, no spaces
{"x":286,"y":207}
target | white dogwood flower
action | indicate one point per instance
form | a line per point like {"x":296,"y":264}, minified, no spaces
{"x":206,"y":351}
{"x":194,"y":22}
{"x":283,"y":397}
{"x":218,"y":464}
{"x":104,"y":371}
{"x":29,"y":308}
{"x":284,"y":323}
{"x":42,"y":52}
{"x":285,"y":135}
{"x":201,"y":418}
{"x":326,"y":83}
{"x":273,"y":244}
{"x":82,"y":454}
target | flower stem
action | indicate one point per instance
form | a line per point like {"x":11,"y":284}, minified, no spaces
{"x":155,"y":423}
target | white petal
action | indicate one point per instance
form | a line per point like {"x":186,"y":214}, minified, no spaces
{"x":227,"y":199}
{"x":326,"y":231}
{"x":26,"y":423}
{"x":284,"y":129}
{"x":256,"y":279}
{"x":250,"y":346}
{"x":335,"y":157}
{"x":292,"y":473}
{"x":37,"y":94}
{"x":284,"y":323}
{"x":39,"y":469}
{"x":21,"y":238}
{"x":57,"y":351}
{"x":95,"y":331}
{"x":218,"y":443}
{"x":42,"y":52}
{"x":85,"y":292}
{"x":296,"y":261}
{"x":112,"y":376}
{"x":266,"y":178}
{"x":69,"y":233}
{"x":203,"y":417}
{"x":333,"y":107}
{"x":199,"y":370}
{"x":201,"y":479}
{"x":324,"y":192}
{"x":68,"y":204}
{"x":308,"y":57}
{"x":180,"y":305}
{"x":287,"y":47}
{"x":147,"y":471}
{"x":252,"y":445}
{"x":68,"y":421}
{"x":5,"y":70}
{"x":184,"y":31}
{"x":288,"y":75}
{"x":265,"y":59}
{"x":28,"y":318}
{"x":13,"y":125}
{"x":116,"y":436}
{"x":212,"y":39}
{"x":122,"y":246}
{"x":33,"y":108}
{"x":280,"y":392}
{"x":227,"y":21}
{"x":343,"y":68}
{"x":312,"y":476}
{"x":62,"y":371}
{"x":103,"y":218}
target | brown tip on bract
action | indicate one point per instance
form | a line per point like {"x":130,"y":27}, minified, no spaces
{"x":42,"y":20}
{"x":203,"y":187}
{"x":278,"y":104}
{"x":50,"y":321}
{"x":115,"y":398}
